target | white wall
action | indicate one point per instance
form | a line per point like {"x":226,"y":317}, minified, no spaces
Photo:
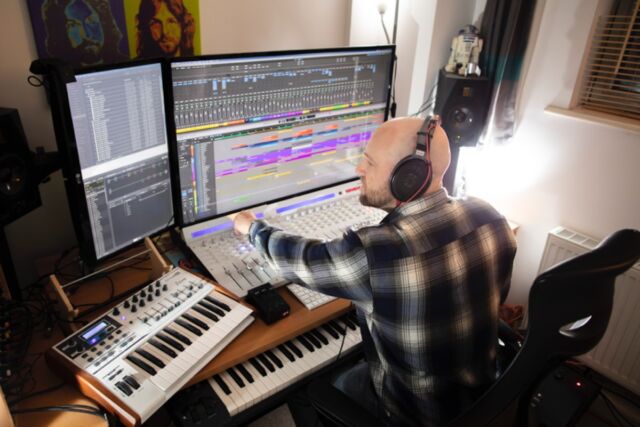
{"x":558,"y":171}
{"x":238,"y":26}
{"x":425,"y":30}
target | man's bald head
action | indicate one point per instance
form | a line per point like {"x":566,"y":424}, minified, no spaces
{"x":390,"y":143}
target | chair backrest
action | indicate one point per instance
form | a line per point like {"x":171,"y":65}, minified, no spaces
{"x":569,"y":309}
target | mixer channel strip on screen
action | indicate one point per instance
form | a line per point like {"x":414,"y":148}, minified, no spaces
{"x":239,"y":267}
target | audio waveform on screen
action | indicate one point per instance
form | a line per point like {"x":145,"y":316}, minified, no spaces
{"x":294,"y":153}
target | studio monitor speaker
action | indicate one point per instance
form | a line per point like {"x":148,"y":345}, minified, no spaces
{"x":462,"y":103}
{"x":18,"y":186}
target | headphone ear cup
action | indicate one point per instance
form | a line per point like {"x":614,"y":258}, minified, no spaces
{"x":408,"y":176}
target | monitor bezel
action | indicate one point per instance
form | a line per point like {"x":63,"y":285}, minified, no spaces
{"x":171,"y":128}
{"x":71,"y":168}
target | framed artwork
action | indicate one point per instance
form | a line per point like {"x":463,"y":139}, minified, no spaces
{"x":91,"y":32}
{"x":81,"y":32}
{"x":166,"y":28}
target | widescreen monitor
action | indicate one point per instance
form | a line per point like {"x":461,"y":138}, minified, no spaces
{"x":257,"y":128}
{"x":120,"y":156}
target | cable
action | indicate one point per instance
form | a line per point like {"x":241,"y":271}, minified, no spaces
{"x":344,"y":337}
{"x":84,"y":409}
{"x":427,"y":102}
{"x":107,"y":268}
{"x":384,"y":27}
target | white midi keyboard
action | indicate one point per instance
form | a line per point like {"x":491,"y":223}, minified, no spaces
{"x":239,"y":267}
{"x":135,"y":357}
{"x":242,"y":387}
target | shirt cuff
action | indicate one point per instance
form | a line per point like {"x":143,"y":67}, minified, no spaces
{"x":254,"y":228}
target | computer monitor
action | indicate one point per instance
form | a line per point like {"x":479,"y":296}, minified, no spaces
{"x":256,"y":128}
{"x":118,"y":157}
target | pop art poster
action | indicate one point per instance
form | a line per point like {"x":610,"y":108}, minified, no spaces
{"x":81,"y":32}
{"x":92,"y":32}
{"x":166,"y":28}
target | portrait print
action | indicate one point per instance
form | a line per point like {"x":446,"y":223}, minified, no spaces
{"x":167,"y":28}
{"x":81,"y":32}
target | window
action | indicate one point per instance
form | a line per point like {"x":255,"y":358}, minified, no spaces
{"x":612,"y":75}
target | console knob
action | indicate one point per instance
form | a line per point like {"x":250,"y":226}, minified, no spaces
{"x":157,"y":292}
{"x":164,"y":287}
{"x":150,"y":297}
{"x":134,"y":299}
{"x":143,"y":294}
{"x":116,"y":311}
{"x":134,"y":309}
{"x":141,"y":303}
{"x":126,"y":304}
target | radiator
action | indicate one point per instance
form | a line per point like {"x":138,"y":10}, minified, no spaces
{"x":617,"y":355}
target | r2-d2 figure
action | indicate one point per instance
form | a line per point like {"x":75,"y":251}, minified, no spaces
{"x":465,"y":52}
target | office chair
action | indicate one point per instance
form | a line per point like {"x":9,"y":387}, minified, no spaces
{"x":569,"y":309}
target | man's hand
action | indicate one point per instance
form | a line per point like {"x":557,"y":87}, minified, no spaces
{"x":242,"y":221}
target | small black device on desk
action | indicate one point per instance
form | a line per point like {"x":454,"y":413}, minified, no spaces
{"x":270,"y":305}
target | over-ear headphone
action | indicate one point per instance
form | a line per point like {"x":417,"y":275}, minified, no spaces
{"x":412,"y":175}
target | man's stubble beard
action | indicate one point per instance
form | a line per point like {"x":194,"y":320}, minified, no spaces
{"x":376,"y":198}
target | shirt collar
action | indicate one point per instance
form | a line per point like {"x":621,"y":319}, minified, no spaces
{"x":422,"y":204}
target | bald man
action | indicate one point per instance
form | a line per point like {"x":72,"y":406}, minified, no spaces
{"x":427,"y":283}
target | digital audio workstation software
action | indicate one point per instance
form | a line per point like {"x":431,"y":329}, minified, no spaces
{"x":119,"y":124}
{"x":254,"y":129}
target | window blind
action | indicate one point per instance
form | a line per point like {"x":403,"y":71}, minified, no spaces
{"x":612,"y":77}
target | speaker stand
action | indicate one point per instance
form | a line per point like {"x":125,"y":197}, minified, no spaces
{"x":8,"y":268}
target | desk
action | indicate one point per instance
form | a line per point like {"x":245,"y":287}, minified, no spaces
{"x":257,"y":338}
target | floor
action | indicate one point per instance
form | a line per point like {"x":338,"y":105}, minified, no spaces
{"x":598,"y":415}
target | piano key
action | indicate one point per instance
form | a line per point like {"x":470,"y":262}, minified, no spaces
{"x":234,"y":375}
{"x":215,"y":310}
{"x":173,"y":343}
{"x":245,"y":373}
{"x":197,"y":322}
{"x":263,"y":360}
{"x":292,"y":370}
{"x":349,"y":323}
{"x":316,"y":333}
{"x":258,"y":366}
{"x":223,"y":391}
{"x":240,"y":399}
{"x":340,"y":329}
{"x":286,"y":352}
{"x":163,"y":347}
{"x":274,"y":358}
{"x":217,"y":302}
{"x":331,"y":332}
{"x":150,"y":357}
{"x":294,"y":348}
{"x":188,"y":326}
{"x":312,"y":340}
{"x":263,"y":385}
{"x":302,"y":340}
{"x":206,"y":313}
{"x":141,"y":364}
{"x":178,"y":335}
{"x":222,"y":384}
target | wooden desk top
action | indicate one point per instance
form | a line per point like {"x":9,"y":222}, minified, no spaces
{"x":257,"y":338}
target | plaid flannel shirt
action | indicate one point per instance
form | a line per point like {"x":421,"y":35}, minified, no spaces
{"x":427,"y":282}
